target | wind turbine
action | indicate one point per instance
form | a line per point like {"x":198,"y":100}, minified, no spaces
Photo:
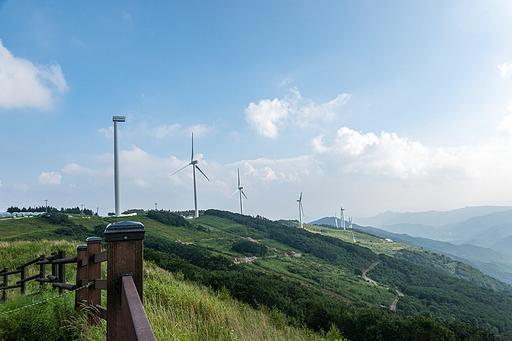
{"x":336,"y":219}
{"x":349,"y":222}
{"x":194,"y":165}
{"x":342,"y":217}
{"x":241,"y":190}
{"x":301,"y":210}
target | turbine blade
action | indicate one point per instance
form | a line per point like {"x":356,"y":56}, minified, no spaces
{"x":244,"y":195}
{"x":192,"y":157}
{"x":233,"y":193}
{"x":188,"y":164}
{"x":238,"y":177}
{"x":199,"y":169}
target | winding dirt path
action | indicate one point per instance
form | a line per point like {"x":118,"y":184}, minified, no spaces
{"x":366,"y":271}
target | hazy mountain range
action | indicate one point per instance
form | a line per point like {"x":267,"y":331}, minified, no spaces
{"x":479,"y":236}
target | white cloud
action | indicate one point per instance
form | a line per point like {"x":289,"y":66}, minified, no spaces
{"x":76,"y":169}
{"x":0,"y":183}
{"x":50,"y":178}
{"x":163,"y":130}
{"x":199,"y":130}
{"x":506,"y":124}
{"x":268,"y":117}
{"x":25,"y":85}
{"x":392,"y":156}
{"x":505,"y":69}
{"x":109,"y":132}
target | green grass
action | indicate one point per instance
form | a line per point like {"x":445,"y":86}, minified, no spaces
{"x":177,"y":310}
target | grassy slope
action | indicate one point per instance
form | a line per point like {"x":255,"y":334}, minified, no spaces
{"x":428,"y":259}
{"x":177,"y":310}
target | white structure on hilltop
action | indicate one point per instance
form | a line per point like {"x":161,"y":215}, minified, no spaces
{"x":194,"y":165}
{"x":342,"y":217}
{"x":301,"y":210}
{"x":241,"y":190}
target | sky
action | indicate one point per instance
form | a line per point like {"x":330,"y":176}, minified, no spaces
{"x":401,"y":105}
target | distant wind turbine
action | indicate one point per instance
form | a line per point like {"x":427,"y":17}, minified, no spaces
{"x":301,"y":210}
{"x":194,"y":165}
{"x":336,"y":219}
{"x":342,"y":217}
{"x":241,"y":190}
{"x":349,"y":222}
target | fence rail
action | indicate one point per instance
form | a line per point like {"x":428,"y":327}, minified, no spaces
{"x":125,"y":314}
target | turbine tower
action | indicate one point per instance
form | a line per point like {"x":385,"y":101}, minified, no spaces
{"x":116,"y":165}
{"x":241,"y":190}
{"x":301,"y":210}
{"x":336,"y":219}
{"x":349,"y":222}
{"x":194,"y":165}
{"x":342,"y":217}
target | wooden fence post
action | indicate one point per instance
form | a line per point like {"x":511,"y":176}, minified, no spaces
{"x":42,"y":270}
{"x":81,"y":274}
{"x":6,"y":283}
{"x":124,"y":256}
{"x":62,"y":269}
{"x":93,"y":272}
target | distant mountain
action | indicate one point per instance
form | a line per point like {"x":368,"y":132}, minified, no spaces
{"x":327,"y":221}
{"x":417,"y":230}
{"x":431,"y":218}
{"x":490,"y":262}
{"x":493,"y":237}
{"x":471,"y":228}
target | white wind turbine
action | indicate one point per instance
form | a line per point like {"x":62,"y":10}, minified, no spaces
{"x":301,"y":210}
{"x":349,"y":222}
{"x":241,"y":190}
{"x":336,"y":219}
{"x":342,"y":217}
{"x":194,"y":165}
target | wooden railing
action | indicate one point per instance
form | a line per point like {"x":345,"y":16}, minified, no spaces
{"x":125,"y":314}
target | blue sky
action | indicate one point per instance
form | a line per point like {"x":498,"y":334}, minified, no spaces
{"x":402,"y":106}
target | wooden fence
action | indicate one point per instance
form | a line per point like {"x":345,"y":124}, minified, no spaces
{"x":125,"y":314}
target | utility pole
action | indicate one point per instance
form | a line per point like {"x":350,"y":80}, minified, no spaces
{"x":82,"y":211}
{"x":156,"y":205}
{"x":46,"y":206}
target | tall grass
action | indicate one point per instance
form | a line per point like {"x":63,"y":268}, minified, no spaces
{"x":177,"y":310}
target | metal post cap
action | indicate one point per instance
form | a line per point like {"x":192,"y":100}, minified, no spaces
{"x":124,"y":230}
{"x":81,"y":248}
{"x":93,"y":240}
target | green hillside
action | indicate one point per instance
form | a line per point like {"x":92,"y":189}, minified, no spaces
{"x":313,"y":280}
{"x":177,"y":310}
{"x":434,"y":261}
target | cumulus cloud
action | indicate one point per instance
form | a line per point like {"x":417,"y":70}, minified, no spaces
{"x":268,"y":117}
{"x":392,"y":156}
{"x":50,"y":178}
{"x":505,"y":69}
{"x":25,"y":85}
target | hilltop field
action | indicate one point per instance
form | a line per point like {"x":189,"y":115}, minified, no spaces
{"x":224,"y":276}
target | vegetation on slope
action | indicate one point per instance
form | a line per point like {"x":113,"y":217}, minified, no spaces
{"x":177,"y":310}
{"x":434,"y":261}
